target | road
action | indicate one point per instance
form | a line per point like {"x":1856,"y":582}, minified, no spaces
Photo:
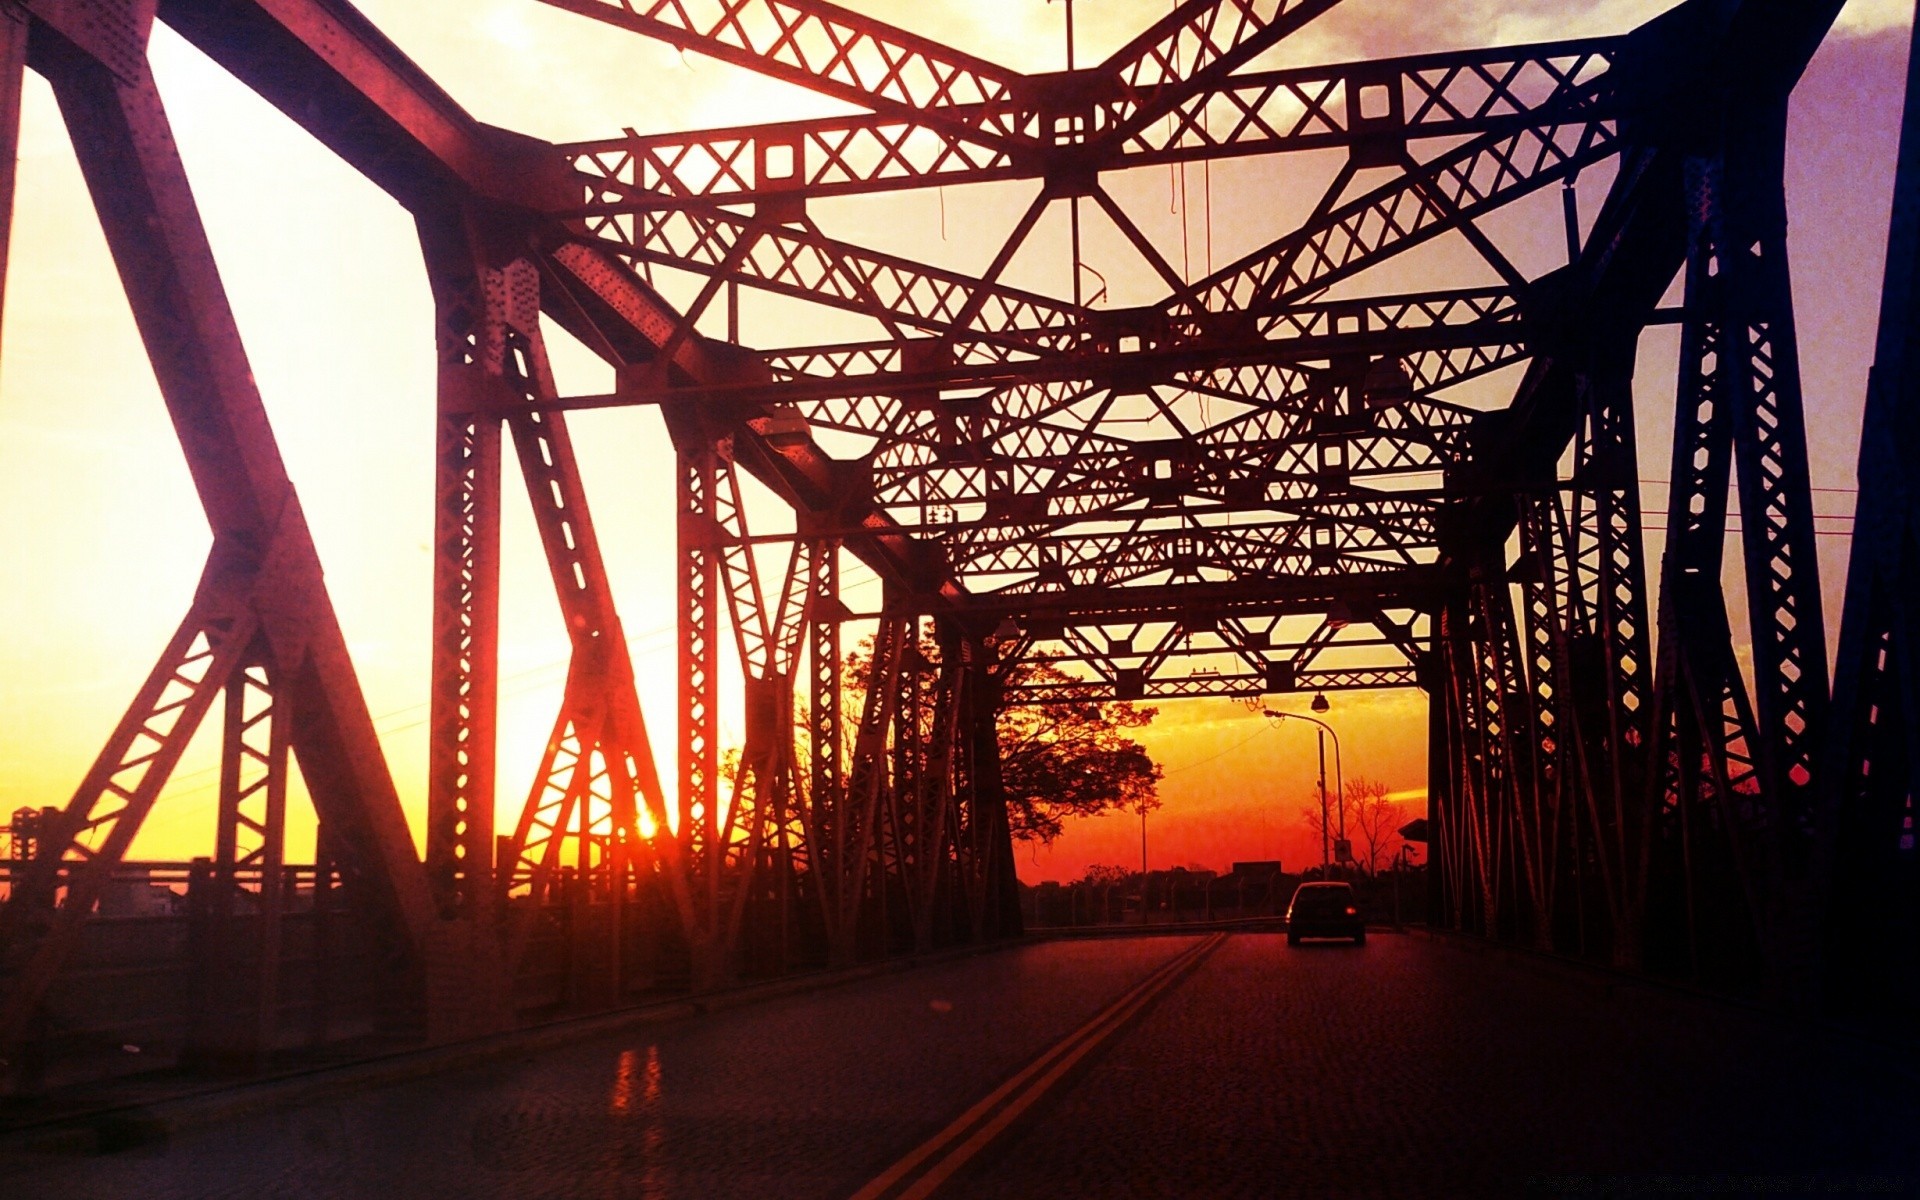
{"x":1150,"y":1066}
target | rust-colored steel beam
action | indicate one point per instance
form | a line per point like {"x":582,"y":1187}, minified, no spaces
{"x":612,"y":308}
{"x":1395,"y":326}
{"x":266,"y":575}
{"x":835,"y":51}
{"x":1450,"y":95}
{"x":329,"y":69}
{"x":1238,"y":685}
{"x":14,"y":27}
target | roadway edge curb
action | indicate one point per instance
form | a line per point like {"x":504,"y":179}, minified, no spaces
{"x":109,"y":1127}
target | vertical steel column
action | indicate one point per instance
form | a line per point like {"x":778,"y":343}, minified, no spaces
{"x":705,"y":834}
{"x":767,"y":640}
{"x":1505,"y":730}
{"x":1441,"y":785}
{"x":1872,"y":926}
{"x":1548,"y":747}
{"x":845,"y":831}
{"x":53,"y":894}
{"x":999,"y":900}
{"x":14,"y":26}
{"x":262,"y":547}
{"x":923,"y":820}
{"x":904,"y":810}
{"x":1776,"y":506}
{"x":598,"y":769}
{"x":1739,"y":392}
{"x":824,"y":656}
{"x":698,"y":588}
{"x":463,"y":710}
{"x":1469,"y":844}
{"x":1610,"y":678}
{"x":241,"y":1024}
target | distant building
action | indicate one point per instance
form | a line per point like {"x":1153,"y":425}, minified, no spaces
{"x":132,"y":892}
{"x":1259,"y":869}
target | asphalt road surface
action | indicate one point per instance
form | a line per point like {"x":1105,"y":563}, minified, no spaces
{"x":1151,"y":1066}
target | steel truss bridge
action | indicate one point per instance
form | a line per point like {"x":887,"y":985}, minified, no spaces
{"x":1277,"y":476}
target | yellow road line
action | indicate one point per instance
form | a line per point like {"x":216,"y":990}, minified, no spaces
{"x":1000,"y":1107}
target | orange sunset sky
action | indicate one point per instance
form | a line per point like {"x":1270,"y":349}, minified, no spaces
{"x":104,"y":539}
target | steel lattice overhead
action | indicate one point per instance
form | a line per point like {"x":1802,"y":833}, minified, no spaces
{"x":1386,"y":445}
{"x":1251,"y":484}
{"x":1245,"y":427}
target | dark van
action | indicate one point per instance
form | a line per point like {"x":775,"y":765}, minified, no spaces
{"x":1325,"y":910}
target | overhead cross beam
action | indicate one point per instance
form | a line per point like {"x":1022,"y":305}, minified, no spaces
{"x":1278,"y":475}
{"x":1373,"y":108}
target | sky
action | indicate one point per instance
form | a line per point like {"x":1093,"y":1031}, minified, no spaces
{"x":100,"y":523}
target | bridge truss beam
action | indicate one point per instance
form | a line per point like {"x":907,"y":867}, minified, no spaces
{"x":1283,"y":474}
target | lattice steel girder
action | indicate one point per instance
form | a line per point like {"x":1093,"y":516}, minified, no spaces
{"x":1142,"y":650}
{"x":835,"y":51}
{"x":140,"y":190}
{"x":1133,"y":345}
{"x":768,"y":637}
{"x":268,"y":572}
{"x":920,"y":818}
{"x":866,"y":62}
{"x":330,"y":70}
{"x":1427,"y":199}
{"x":463,"y":710}
{"x":1874,"y":766}
{"x":845,"y":818}
{"x":824,"y":611}
{"x":1052,"y":484}
{"x":1762,"y":377}
{"x":1124,"y":494}
{"x":612,"y":769}
{"x":697,"y":552}
{"x":1412,"y":326}
{"x":798,"y":261}
{"x":611,"y":310}
{"x":1456,"y":94}
{"x":1184,"y":53}
{"x":1417,"y":587}
{"x":1226,"y":685}
{"x":1739,"y":404}
{"x":99,"y":823}
{"x":15,"y":25}
{"x":1604,"y":660}
{"x":1365,"y":539}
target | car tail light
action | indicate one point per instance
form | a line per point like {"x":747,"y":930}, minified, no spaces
{"x":1352,"y":911}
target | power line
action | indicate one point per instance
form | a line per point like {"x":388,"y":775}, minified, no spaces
{"x":1222,"y":754}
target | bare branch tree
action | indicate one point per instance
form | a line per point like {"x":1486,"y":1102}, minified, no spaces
{"x":1374,"y":821}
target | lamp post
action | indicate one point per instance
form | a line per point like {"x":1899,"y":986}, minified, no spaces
{"x":1339,"y":775}
{"x":1143,"y":864}
{"x":1399,"y":868}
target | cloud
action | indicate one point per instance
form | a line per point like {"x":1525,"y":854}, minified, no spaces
{"x":1864,"y":18}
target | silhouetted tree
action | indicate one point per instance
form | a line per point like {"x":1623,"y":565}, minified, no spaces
{"x":1074,"y":759}
{"x":1057,"y":761}
{"x":1373,"y":822}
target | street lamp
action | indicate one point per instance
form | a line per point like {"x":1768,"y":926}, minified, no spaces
{"x":1399,"y":869}
{"x":1339,"y":774}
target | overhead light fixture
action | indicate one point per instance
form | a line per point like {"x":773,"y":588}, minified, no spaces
{"x":1386,"y":384}
{"x":1339,"y":616}
{"x":1320,"y":702}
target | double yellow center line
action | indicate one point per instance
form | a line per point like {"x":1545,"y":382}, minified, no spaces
{"x":931,"y":1163}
